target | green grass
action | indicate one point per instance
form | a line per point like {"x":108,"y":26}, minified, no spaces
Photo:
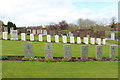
{"x":16,"y":48}
{"x":14,"y":69}
{"x":113,"y":42}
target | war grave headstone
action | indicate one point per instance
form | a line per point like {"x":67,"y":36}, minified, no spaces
{"x":64,"y":39}
{"x":48,"y":53}
{"x":99,"y":52}
{"x":112,"y":36}
{"x":48,"y":38}
{"x":112,"y":51}
{"x":72,"y":40}
{"x":14,"y":35}
{"x":104,"y":41}
{"x":78,"y":40}
{"x":92,"y":41}
{"x":56,"y":38}
{"x":31,"y":37}
{"x":86,"y":40}
{"x":67,"y":51}
{"x":5,"y":29}
{"x":44,"y":32}
{"x":23,"y":37}
{"x":28,"y":50}
{"x":84,"y":53}
{"x":98,"y":41}
{"x":40,"y":37}
{"x":5,"y":35}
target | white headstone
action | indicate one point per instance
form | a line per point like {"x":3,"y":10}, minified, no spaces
{"x":5,"y":29}
{"x":64,"y":39}
{"x":112,"y":36}
{"x":14,"y":35}
{"x":104,"y":41}
{"x":92,"y":41}
{"x":40,"y":37}
{"x":56,"y":38}
{"x":5,"y":35}
{"x":72,"y":40}
{"x":34,"y":31}
{"x":31,"y":37}
{"x":98,"y":41}
{"x":44,"y":32}
{"x":78,"y":40}
{"x":87,"y":36}
{"x":48,"y":38}
{"x":23,"y":37}
{"x":86,"y":40}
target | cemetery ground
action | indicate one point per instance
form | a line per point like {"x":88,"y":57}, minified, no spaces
{"x":31,"y":69}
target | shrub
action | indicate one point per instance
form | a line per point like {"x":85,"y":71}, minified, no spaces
{"x":33,"y":59}
{"x":65,"y":60}
{"x":3,"y":57}
{"x":49,"y":60}
{"x":25,"y":59}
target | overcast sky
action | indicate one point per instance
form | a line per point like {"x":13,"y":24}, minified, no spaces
{"x":43,"y":12}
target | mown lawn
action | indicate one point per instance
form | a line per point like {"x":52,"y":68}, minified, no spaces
{"x":16,"y":48}
{"x":13,"y":69}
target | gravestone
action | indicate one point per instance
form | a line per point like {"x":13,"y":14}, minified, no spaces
{"x":112,"y":51}
{"x":31,"y":37}
{"x":112,"y":36}
{"x":56,"y":38}
{"x":23,"y":38}
{"x":104,"y":41}
{"x":40,"y":37}
{"x":78,"y":40}
{"x":44,"y":32}
{"x":5,"y":29}
{"x":5,"y":35}
{"x":34,"y":31}
{"x":48,"y":51}
{"x":28,"y":50}
{"x":92,"y":41}
{"x":64,"y":39}
{"x":70,"y":34}
{"x":72,"y":40}
{"x":99,"y":52}
{"x":67,"y":51}
{"x":86,"y":40}
{"x":14,"y":35}
{"x":98,"y":41}
{"x":48,"y":38}
{"x":84,"y":53}
{"x":87,"y":36}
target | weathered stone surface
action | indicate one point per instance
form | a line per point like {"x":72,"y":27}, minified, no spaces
{"x":64,"y":39}
{"x":28,"y":50}
{"x":92,"y":41}
{"x":86,"y":40}
{"x":67,"y":51}
{"x":48,"y":51}
{"x":40,"y":37}
{"x":23,"y":37}
{"x":56,"y":38}
{"x":99,"y":52}
{"x":31,"y":37}
{"x":72,"y":40}
{"x":48,"y":38}
{"x":98,"y":41}
{"x":14,"y":35}
{"x":104,"y":41}
{"x":5,"y":35}
{"x":112,"y":51}
{"x":78,"y":40}
{"x":84,"y":53}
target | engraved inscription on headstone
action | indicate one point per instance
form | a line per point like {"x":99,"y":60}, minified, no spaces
{"x":99,"y":52}
{"x":14,"y":35}
{"x":23,"y":38}
{"x":112,"y":51}
{"x":78,"y":40}
{"x":40,"y":37}
{"x":67,"y":51}
{"x":92,"y":41}
{"x":72,"y":40}
{"x":56,"y":38}
{"x":48,"y":38}
{"x":64,"y":39}
{"x":28,"y":50}
{"x":5,"y":35}
{"x":84,"y":53}
{"x":31,"y":37}
{"x":48,"y":51}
